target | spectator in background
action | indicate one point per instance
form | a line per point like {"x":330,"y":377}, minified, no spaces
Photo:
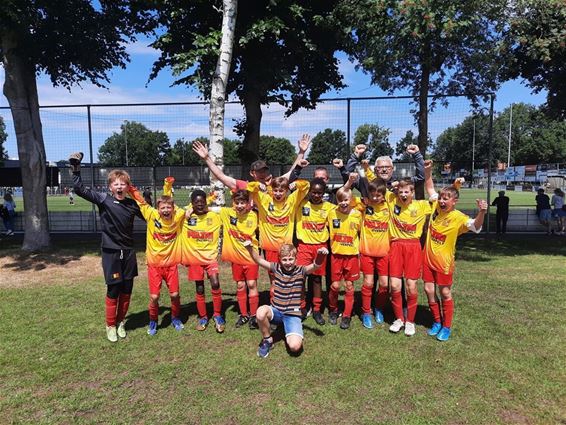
{"x":544,"y":213}
{"x":8,"y":213}
{"x":557,"y":201}
{"x":502,"y":213}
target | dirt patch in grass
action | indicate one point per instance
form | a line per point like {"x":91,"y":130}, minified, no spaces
{"x":24,"y":270}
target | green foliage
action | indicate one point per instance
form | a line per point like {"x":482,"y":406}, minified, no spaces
{"x":134,"y":146}
{"x":3,"y":138}
{"x":182,"y":153}
{"x":276,"y":150}
{"x":537,"y":41}
{"x":377,"y":139}
{"x":327,"y":145}
{"x":401,"y":148}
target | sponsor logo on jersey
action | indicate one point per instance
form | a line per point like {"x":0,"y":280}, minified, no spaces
{"x":436,"y":236}
{"x":157,"y":223}
{"x":380,"y":226}
{"x":192,"y":221}
{"x":315,"y":227}
{"x":336,"y":223}
{"x":165,"y":237}
{"x":306,"y":211}
{"x":233,"y":221}
{"x":200,"y":235}
{"x":405,"y":227}
{"x":343,"y":239}
{"x":278,"y":221}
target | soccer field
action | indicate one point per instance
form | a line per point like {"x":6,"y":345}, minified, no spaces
{"x":504,"y":363}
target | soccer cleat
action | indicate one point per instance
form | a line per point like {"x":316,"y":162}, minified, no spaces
{"x":345,"y":322}
{"x":396,"y":326}
{"x":219,"y":324}
{"x":444,"y":334}
{"x":152,"y":329}
{"x":202,"y":324}
{"x":378,"y":316}
{"x":333,"y":317}
{"x":242,"y":320}
{"x":111,"y":333}
{"x":253,"y":323}
{"x":366,"y":321}
{"x":436,"y":326}
{"x":317,"y":316}
{"x":121,"y":331}
{"x":409,"y":328}
{"x":177,"y":324}
{"x":264,"y":348}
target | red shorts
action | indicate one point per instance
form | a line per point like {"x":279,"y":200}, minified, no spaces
{"x":158,"y":274}
{"x":369,"y":265}
{"x":405,"y":259}
{"x":307,"y":252}
{"x":196,"y":272}
{"x":430,"y":275}
{"x":245,"y":272}
{"x":271,"y":256}
{"x":345,"y":267}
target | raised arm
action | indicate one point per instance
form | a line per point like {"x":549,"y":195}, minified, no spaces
{"x":352,"y":179}
{"x":320,"y":254}
{"x":255,"y":255}
{"x":295,"y":170}
{"x":429,"y":183}
{"x":419,"y":176}
{"x":78,"y":186}
{"x":478,"y":220}
{"x":202,"y":151}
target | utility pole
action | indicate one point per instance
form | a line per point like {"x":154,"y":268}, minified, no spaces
{"x":473,"y":150}
{"x":509,"y":138}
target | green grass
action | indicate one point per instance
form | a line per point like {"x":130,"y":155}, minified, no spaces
{"x":505,"y":362}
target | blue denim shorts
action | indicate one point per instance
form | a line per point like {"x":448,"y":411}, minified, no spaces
{"x":292,"y":324}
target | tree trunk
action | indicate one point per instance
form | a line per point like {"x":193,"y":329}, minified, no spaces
{"x":20,"y":89}
{"x":422,"y":119}
{"x":250,"y":147}
{"x":218,"y":93}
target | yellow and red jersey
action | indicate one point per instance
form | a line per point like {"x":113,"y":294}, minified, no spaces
{"x":443,"y":231}
{"x":312,"y":222}
{"x":374,"y":234}
{"x":277,"y":219}
{"x":407,"y":221}
{"x":199,"y":238}
{"x":344,"y":231}
{"x":235,"y":228}
{"x":162,"y":246}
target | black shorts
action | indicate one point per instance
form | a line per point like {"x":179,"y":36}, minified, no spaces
{"x":119,"y":265}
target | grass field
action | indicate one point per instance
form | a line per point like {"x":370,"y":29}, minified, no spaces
{"x":505,"y":362}
{"x":467,"y":200}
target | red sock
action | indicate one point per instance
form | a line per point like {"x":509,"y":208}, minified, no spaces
{"x":254,"y":304}
{"x":381,"y":298}
{"x":333,"y":300}
{"x":366,"y":299}
{"x":123,"y":305}
{"x":217,"y":301}
{"x":435,"y":310}
{"x":411,"y":307}
{"x":153,"y":311}
{"x":201,"y":305}
{"x":397,"y":303}
{"x":111,"y":304}
{"x":448,"y":312}
{"x":348,"y":303}
{"x":242,"y":297}
{"x":316,"y":303}
{"x":175,"y":307}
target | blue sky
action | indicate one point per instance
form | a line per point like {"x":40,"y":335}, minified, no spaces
{"x":65,"y":130}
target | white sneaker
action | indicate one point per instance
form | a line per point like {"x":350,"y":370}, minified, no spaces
{"x":396,"y":326}
{"x":121,"y":331}
{"x":409,"y":328}
{"x":111,"y":333}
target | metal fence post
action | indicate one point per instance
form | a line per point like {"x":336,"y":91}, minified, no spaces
{"x":93,"y":186}
{"x":348,"y":105}
{"x":489,"y":157}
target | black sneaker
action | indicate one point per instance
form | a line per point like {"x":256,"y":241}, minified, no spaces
{"x":317,"y":316}
{"x":253,"y":323}
{"x":333,"y":317}
{"x":242,"y":320}
{"x":345,"y":322}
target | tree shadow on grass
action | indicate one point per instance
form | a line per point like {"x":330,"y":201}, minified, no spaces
{"x":21,"y":261}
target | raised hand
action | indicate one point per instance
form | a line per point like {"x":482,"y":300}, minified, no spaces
{"x":412,"y":149}
{"x":360,"y":149}
{"x":337,"y":162}
{"x":75,"y":161}
{"x":428,"y":164}
{"x":365,"y":164}
{"x":482,"y":204}
{"x":304,"y":143}
{"x":353,"y":177}
{"x":303,"y":163}
{"x":200,"y":149}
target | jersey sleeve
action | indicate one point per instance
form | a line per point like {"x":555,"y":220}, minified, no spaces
{"x":168,"y":186}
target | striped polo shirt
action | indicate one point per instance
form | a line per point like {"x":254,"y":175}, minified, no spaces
{"x":287,"y":289}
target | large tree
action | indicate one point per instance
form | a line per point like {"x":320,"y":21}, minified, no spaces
{"x":327,"y":145}
{"x":376,"y":138}
{"x":537,"y":41}
{"x":401,"y":148}
{"x":428,"y":47}
{"x":71,"y":41}
{"x":282,"y":49}
{"x":182,"y":153}
{"x":134,"y":146}
{"x":276,"y":150}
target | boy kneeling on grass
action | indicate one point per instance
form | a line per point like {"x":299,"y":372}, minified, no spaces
{"x":288,"y":282}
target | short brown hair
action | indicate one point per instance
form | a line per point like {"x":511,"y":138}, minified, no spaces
{"x":241,"y":195}
{"x":377,"y":186}
{"x":119,"y":175}
{"x":280,"y":182}
{"x":406,"y":182}
{"x":342,"y":192}
{"x":452,"y":191}
{"x":165,"y":199}
{"x":286,"y":250}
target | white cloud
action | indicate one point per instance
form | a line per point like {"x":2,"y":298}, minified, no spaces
{"x":141,"y":47}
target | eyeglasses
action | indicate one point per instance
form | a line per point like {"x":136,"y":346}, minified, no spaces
{"x":385,"y":167}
